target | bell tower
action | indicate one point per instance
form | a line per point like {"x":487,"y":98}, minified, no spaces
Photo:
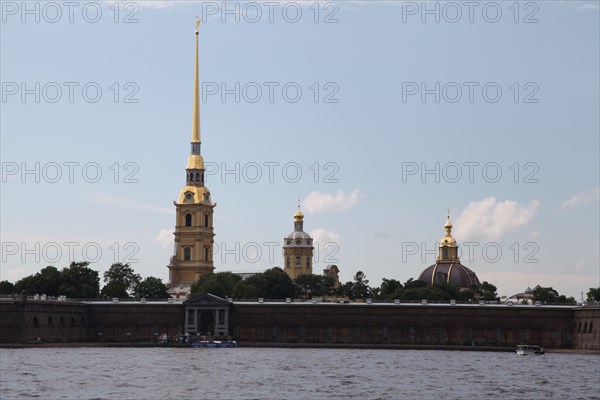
{"x":298,"y":249}
{"x":194,"y":235}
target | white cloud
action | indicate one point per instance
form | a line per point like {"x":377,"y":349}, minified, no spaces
{"x":491,"y":219}
{"x":323,"y":236}
{"x":594,"y":6}
{"x":114,"y":201}
{"x":582,"y":198}
{"x":317,"y":202}
{"x":164,"y":238}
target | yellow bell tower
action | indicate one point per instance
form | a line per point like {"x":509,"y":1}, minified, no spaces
{"x":194,"y":235}
{"x":298,"y":249}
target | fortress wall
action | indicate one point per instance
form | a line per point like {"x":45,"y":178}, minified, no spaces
{"x":133,"y":321}
{"x":403,"y":324}
{"x":306,"y":323}
{"x":586,"y":328}
{"x":51,"y":321}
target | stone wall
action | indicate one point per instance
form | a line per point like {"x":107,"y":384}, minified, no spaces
{"x":25,"y":322}
{"x":501,"y":326}
{"x":353,"y":324}
{"x":586,"y":328}
{"x":133,"y":321}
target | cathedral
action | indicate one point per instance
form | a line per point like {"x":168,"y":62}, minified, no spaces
{"x":194,"y":234}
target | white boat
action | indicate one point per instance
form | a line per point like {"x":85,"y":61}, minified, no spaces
{"x":525,"y":350}
{"x":215,"y":344}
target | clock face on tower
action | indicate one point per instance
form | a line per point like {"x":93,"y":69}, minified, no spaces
{"x":189,"y":196}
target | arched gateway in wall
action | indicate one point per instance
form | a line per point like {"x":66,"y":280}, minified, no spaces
{"x":207,"y":315}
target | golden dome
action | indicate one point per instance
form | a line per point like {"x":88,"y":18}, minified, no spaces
{"x":448,"y":224}
{"x":448,"y":240}
{"x":298,"y":216}
{"x":194,"y":195}
{"x":195,"y":161}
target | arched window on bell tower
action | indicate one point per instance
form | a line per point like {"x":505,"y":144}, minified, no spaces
{"x":298,"y":262}
{"x":187,"y":253}
{"x":188,"y":219}
{"x":205,"y":219}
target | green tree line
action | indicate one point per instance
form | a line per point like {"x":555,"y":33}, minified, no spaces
{"x":80,"y":281}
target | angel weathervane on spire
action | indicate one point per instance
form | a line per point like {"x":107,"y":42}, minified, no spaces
{"x":198,"y":20}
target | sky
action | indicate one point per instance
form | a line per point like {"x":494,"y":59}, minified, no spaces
{"x":379,"y":116}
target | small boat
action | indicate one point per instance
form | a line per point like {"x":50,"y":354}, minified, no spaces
{"x":525,"y":350}
{"x":215,"y":344}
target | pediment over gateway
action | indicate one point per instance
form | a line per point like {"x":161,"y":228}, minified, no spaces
{"x":206,"y":299}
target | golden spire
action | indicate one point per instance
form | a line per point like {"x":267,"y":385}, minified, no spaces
{"x":195,"y":160}
{"x":298,"y":216}
{"x":448,"y":240}
{"x":196,"y":110}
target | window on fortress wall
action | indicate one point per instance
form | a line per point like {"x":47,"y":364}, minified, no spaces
{"x":591,"y":327}
{"x":62,"y":322}
{"x":50,"y":321}
{"x":36,"y":323}
{"x":72,"y":322}
{"x":187,"y":253}
{"x":82,"y":322}
{"x":188,"y":219}
{"x":298,"y":262}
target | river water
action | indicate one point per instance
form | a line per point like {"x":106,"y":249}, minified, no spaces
{"x":258,"y":373}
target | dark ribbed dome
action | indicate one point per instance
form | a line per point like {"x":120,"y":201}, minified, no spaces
{"x":451,"y":273}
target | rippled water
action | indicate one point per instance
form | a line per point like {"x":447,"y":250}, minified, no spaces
{"x":252,"y":373}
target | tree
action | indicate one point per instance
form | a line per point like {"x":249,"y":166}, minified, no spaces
{"x":550,"y":295}
{"x":488,"y":292}
{"x":47,"y":281}
{"x":79,"y":281}
{"x":151,"y":288}
{"x":274,"y":283}
{"x":358,"y":289}
{"x":244,"y":291}
{"x":7,"y":287}
{"x":220,"y":284}
{"x":388,"y":288}
{"x":120,"y":281}
{"x":310,"y":285}
{"x":593,"y":294}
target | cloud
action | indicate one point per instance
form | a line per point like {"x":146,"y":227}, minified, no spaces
{"x":323,"y":236}
{"x":594,"y":6}
{"x":582,"y":198}
{"x":317,"y":202}
{"x":114,"y":201}
{"x":164,"y":238}
{"x":491,"y":219}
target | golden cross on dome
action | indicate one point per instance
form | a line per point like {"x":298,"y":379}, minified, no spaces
{"x":198,"y":20}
